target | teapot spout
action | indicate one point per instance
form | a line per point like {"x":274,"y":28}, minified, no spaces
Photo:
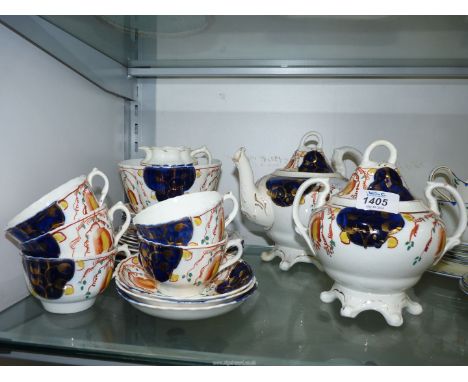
{"x":255,"y":204}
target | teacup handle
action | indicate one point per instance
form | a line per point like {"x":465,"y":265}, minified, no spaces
{"x":443,"y":170}
{"x":240,"y":249}
{"x":338,"y":162}
{"x":310,"y":136}
{"x":105,"y":189}
{"x":120,"y":206}
{"x":202,"y":150}
{"x":453,"y":240}
{"x":321,"y":199}
{"x":235,"y":208}
{"x":121,"y":248}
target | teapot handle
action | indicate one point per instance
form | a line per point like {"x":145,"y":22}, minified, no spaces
{"x":366,"y":162}
{"x":443,"y":170}
{"x":202,"y":150}
{"x":322,"y":197}
{"x":316,"y":137}
{"x":453,"y":240}
{"x":338,"y":161}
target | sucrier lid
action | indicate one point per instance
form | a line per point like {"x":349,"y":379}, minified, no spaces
{"x":308,"y":160}
{"x":383,"y":176}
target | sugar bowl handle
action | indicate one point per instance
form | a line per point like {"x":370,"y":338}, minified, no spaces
{"x":453,"y":240}
{"x":448,"y":174}
{"x":366,"y":162}
{"x":321,"y":200}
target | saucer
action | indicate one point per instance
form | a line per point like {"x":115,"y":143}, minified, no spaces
{"x":154,"y":301}
{"x":189,"y":313}
{"x":132,"y":276}
{"x":448,"y":268}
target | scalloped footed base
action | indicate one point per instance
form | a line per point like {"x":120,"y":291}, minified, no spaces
{"x":289,"y":257}
{"x":354,"y":302}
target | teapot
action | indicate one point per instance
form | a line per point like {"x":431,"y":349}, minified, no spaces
{"x":374,"y":253}
{"x":268,"y":202}
{"x":172,"y":156}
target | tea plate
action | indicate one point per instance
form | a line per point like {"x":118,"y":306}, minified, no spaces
{"x":188,"y":313}
{"x":132,"y":276}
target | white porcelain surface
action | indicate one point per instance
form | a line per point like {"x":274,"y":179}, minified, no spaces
{"x":373,"y":266}
{"x":259,"y":204}
{"x":141,"y":196}
{"x":173,"y":155}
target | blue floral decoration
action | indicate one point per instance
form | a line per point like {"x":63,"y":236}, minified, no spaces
{"x":314,"y":161}
{"x":241,"y":274}
{"x":48,"y":277}
{"x":158,"y":260}
{"x":44,"y":221}
{"x":168,"y":182}
{"x":388,"y":180}
{"x":178,"y":232}
{"x":282,"y":190}
{"x":44,"y":246}
{"x":368,"y":228}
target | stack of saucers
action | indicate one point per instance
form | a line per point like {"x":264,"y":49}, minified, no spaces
{"x":187,"y":266}
{"x":454,"y":263}
{"x":227,"y":291}
{"x":68,"y":244}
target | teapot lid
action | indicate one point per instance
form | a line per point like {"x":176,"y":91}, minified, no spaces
{"x":308,"y":160}
{"x":378,"y":176}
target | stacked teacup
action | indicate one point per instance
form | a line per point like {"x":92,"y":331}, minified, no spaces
{"x":455,"y":261}
{"x":187,"y":266}
{"x":68,"y":244}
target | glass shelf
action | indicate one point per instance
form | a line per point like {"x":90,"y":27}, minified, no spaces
{"x":284,"y":324}
{"x":254,"y":45}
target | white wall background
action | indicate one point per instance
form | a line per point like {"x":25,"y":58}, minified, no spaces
{"x":427,"y":120}
{"x":54,"y":126}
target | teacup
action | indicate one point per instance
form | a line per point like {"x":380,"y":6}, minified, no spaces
{"x":187,"y":220}
{"x":170,"y":155}
{"x":92,"y":235}
{"x":454,"y":180}
{"x":158,"y":184}
{"x":184,"y":271}
{"x":65,"y":204}
{"x":69,"y":285}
